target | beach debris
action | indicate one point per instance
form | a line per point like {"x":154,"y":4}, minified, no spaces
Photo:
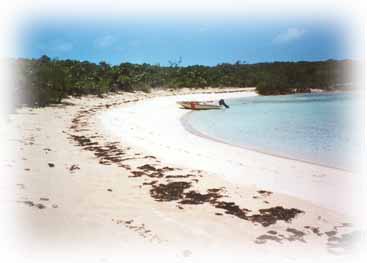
{"x":127,"y":167}
{"x":177,"y":189}
{"x":109,"y":190}
{"x":104,"y":162}
{"x":215,"y":190}
{"x":169,"y":192}
{"x":297,"y":235}
{"x":137,"y":174}
{"x":55,"y":206}
{"x":195,"y":198}
{"x":150,"y":157}
{"x":47,"y":150}
{"x":232,"y":209}
{"x":271,"y":235}
{"x":108,"y":153}
{"x":157,"y":174}
{"x":127,"y":159}
{"x":264,"y":193}
{"x":336,"y":243}
{"x":181,"y":176}
{"x":44,"y":199}
{"x":32,"y":204}
{"x":166,"y":168}
{"x":83,"y":140}
{"x":331,"y":233}
{"x":51,"y":165}
{"x":314,"y":230}
{"x":40,"y":206}
{"x":264,"y":238}
{"x":147,"y":167}
{"x":270,"y":216}
{"x":140,"y":229}
{"x":150,"y":183}
{"x":74,"y":167}
{"x":343,"y":243}
{"x":28,"y":141}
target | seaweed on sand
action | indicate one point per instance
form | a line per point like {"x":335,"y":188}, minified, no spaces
{"x":269,"y":216}
{"x":169,"y":192}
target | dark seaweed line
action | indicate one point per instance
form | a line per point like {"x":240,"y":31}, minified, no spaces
{"x":112,"y":153}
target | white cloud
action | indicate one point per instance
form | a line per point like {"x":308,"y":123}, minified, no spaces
{"x":105,"y":41}
{"x":291,"y":34}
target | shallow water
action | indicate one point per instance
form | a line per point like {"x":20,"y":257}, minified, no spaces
{"x":319,"y":128}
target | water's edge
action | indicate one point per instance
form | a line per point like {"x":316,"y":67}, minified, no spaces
{"x":188,"y":127}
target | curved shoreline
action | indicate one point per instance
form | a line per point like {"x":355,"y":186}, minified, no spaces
{"x":154,"y":127}
{"x":191,"y":129}
{"x":104,"y":195}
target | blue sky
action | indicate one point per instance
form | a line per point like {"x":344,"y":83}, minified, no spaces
{"x":207,"y":42}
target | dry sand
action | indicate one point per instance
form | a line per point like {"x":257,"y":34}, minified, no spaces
{"x":76,"y":190}
{"x":154,"y":126}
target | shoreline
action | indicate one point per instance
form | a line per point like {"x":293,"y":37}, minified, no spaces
{"x":194,"y":131}
{"x":314,"y":183}
{"x":73,"y":180}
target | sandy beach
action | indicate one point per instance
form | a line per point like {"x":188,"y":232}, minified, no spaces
{"x":156,"y":126}
{"x":101,"y":179}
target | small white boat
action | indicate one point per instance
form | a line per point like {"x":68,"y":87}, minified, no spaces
{"x":199,"y":105}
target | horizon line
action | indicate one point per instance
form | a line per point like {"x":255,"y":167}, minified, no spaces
{"x":167,"y":64}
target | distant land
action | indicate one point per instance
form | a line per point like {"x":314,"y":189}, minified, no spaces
{"x":39,"y":82}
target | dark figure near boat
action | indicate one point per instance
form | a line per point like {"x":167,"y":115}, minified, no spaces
{"x":222,"y":102}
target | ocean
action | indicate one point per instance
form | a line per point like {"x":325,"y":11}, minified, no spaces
{"x":320,"y":128}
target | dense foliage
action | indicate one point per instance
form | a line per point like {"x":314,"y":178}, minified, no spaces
{"x":44,"y":80}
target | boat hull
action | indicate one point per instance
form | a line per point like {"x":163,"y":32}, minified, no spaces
{"x":196,"y":105}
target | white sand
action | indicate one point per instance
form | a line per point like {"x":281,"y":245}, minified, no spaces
{"x":86,"y":210}
{"x":154,"y":126}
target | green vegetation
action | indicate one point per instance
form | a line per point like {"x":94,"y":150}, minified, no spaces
{"x":42,"y":81}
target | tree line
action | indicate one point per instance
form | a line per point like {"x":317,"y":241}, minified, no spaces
{"x":39,"y":82}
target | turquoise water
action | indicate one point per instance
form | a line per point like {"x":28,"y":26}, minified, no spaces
{"x":317,"y":128}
